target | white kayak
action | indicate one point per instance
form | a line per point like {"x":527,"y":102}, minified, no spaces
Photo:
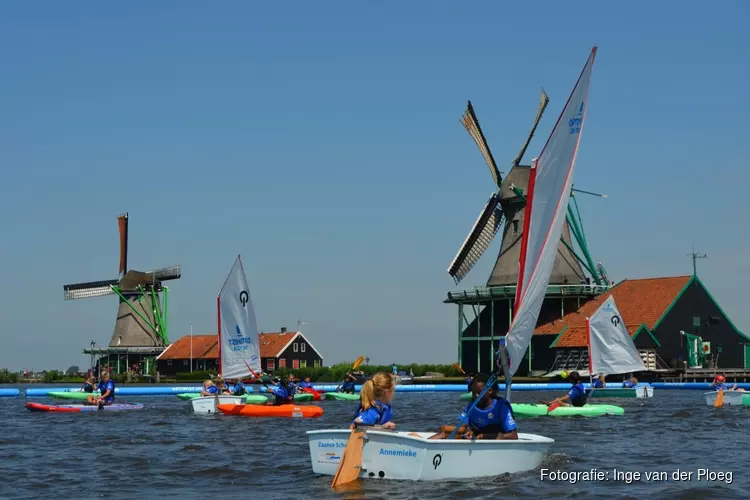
{"x":641,"y":391}
{"x":209,"y":404}
{"x":411,"y":456}
{"x":731,"y":398}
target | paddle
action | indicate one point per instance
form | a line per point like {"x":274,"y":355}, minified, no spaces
{"x":255,"y":374}
{"x":351,"y":459}
{"x":719,"y":399}
{"x":356,"y":364}
{"x":457,"y":367}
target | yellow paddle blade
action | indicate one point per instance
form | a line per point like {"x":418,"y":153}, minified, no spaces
{"x":359,"y":361}
{"x":719,"y":400}
{"x":351,"y":459}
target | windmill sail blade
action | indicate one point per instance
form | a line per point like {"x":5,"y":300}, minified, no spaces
{"x":543,"y":101}
{"x":479,"y":239}
{"x":611,"y":349}
{"x":88,"y":290}
{"x":166,"y":273}
{"x":471,"y":123}
{"x":549,"y":191}
{"x":122,"y":226}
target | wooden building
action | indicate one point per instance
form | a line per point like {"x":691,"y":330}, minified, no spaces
{"x":657,"y":312}
{"x":287,"y":350}
{"x":277,"y":350}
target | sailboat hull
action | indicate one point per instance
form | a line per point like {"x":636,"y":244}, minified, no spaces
{"x":411,"y":456}
{"x":643,"y":391}
{"x":731,"y":398}
{"x":209,"y":404}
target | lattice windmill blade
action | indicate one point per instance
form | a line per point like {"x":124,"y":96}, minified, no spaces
{"x":471,"y":123}
{"x":482,"y":233}
{"x":88,"y":290}
{"x":166,"y":273}
{"x":543,"y":101}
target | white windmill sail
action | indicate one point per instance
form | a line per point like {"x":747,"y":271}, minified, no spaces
{"x":546,"y":203}
{"x":238,"y":329}
{"x":611,"y":349}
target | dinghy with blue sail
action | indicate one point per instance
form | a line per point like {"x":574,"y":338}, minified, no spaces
{"x":412,"y":455}
{"x":239,"y":352}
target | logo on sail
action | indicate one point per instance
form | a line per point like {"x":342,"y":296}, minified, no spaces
{"x":574,"y":124}
{"x":615,"y":320}
{"x":238,"y":331}
{"x":244,"y":298}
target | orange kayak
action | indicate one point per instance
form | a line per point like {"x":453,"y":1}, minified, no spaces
{"x":290,"y":411}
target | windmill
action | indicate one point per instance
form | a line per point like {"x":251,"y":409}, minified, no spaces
{"x":506,"y":205}
{"x":142,"y":313}
{"x":506,"y":208}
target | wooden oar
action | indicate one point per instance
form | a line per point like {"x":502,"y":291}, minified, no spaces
{"x":356,"y":364}
{"x":719,"y":402}
{"x":351,"y":459}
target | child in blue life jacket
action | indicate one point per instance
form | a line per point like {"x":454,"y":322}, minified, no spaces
{"x":599,"y":382}
{"x":577,"y":394}
{"x":306,"y":384}
{"x":282,"y":393}
{"x":375,"y":402}
{"x":630,"y":383}
{"x":209,"y":389}
{"x":491,"y":418}
{"x":720,"y":385}
{"x":106,"y":389}
{"x":348,"y":386}
{"x":89,"y":385}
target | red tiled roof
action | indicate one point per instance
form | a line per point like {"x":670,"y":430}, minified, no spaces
{"x":204,"y":347}
{"x":273,"y":342}
{"x":640,"y":301}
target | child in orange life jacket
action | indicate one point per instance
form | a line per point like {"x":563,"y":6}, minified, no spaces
{"x":375,"y":402}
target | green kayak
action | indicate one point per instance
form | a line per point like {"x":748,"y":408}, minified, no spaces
{"x":532,"y":410}
{"x":77,"y":396}
{"x":341,"y":396}
{"x":250,"y":399}
{"x":465,"y":397}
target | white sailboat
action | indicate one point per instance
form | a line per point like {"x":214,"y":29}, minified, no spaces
{"x":411,"y":455}
{"x":238,"y":337}
{"x":612,"y":351}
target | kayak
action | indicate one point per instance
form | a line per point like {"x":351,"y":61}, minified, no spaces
{"x":539,"y":410}
{"x":78,"y":396}
{"x":290,"y":411}
{"x":82,"y":408}
{"x":251,"y":399}
{"x":465,"y":397}
{"x":317,"y":395}
{"x":303,"y":397}
{"x":341,"y":396}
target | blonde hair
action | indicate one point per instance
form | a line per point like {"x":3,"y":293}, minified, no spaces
{"x":375,"y":388}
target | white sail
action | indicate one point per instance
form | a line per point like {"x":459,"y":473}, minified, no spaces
{"x":611,"y":350}
{"x":548,"y":194}
{"x":238,"y":332}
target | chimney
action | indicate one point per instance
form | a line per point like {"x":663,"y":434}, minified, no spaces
{"x":283,"y":329}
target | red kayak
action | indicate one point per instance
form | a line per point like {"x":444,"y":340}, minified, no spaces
{"x":317,"y":395}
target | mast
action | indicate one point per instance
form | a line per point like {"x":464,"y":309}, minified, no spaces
{"x":218,"y":327}
{"x":524,"y":237}
{"x":588,"y":346}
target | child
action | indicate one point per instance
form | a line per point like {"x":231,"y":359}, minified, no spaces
{"x":283,"y":395}
{"x":720,"y":385}
{"x":375,"y":402}
{"x":209,"y":389}
{"x":576,"y":395}
{"x":348,"y":386}
{"x":598,"y":382}
{"x":306,"y":384}
{"x":491,"y":418}
{"x":89,"y":385}
{"x":630,"y":383}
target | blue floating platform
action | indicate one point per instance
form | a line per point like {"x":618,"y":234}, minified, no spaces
{"x":124,"y":391}
{"x":9,"y":393}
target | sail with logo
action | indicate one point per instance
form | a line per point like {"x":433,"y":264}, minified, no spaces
{"x":611,"y":349}
{"x":238,"y":329}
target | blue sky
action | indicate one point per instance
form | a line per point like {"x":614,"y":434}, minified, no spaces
{"x":321,"y":140}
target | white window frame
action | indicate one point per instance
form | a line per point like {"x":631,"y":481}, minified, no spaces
{"x":302,"y":347}
{"x":296,"y":347}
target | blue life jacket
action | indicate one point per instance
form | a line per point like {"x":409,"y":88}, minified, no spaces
{"x":629,"y":384}
{"x":306,"y":385}
{"x":212,"y":389}
{"x":347,"y":386}
{"x":720,"y":387}
{"x":577,"y":395}
{"x":597,"y":384}
{"x":292,"y":389}
{"x":103,"y":386}
{"x":496,"y":419}
{"x":238,"y":389}
{"x":88,"y":387}
{"x":282,"y":395}
{"x":378,"y":414}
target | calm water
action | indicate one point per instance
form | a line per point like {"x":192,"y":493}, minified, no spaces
{"x":166,"y":451}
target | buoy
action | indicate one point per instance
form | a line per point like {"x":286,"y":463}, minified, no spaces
{"x":564,"y":374}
